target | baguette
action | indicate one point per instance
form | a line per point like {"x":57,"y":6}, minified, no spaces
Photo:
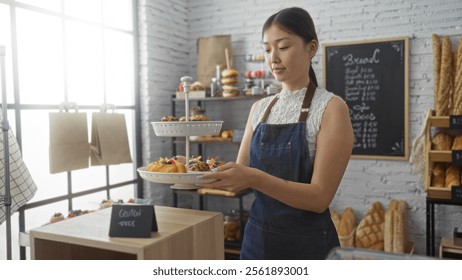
{"x":399,"y":232}
{"x":395,"y":234}
{"x":457,"y":110}
{"x":388,"y":231}
{"x":445,"y":80}
{"x":436,"y":64}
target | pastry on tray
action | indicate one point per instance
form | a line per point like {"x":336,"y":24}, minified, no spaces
{"x":167,"y":165}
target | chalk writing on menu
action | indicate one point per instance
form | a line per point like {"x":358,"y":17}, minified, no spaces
{"x":371,"y":76}
{"x":127,"y":217}
{"x":361,"y":88}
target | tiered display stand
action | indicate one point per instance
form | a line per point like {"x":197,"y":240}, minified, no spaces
{"x":190,"y":180}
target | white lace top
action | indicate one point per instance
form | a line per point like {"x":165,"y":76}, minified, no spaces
{"x":287,"y":110}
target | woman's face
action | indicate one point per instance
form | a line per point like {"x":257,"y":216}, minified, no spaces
{"x":288,"y":56}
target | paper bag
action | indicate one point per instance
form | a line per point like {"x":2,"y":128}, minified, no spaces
{"x":109,"y":139}
{"x":210,"y":53}
{"x":22,"y":187}
{"x":69,"y":148}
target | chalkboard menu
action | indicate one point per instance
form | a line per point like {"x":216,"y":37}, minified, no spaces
{"x":372,"y":77}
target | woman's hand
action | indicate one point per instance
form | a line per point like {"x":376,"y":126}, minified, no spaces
{"x":232,"y":177}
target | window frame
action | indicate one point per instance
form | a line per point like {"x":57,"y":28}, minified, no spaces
{"x":17,"y":107}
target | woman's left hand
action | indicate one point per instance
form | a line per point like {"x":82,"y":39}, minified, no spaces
{"x":231,"y":176}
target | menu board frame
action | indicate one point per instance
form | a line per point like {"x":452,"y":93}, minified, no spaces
{"x":337,"y":66}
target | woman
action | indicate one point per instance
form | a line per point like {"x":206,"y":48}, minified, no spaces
{"x":293,"y":158}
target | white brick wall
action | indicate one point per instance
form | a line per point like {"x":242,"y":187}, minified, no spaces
{"x":168,"y":34}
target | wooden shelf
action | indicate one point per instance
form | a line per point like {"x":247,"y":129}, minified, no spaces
{"x":442,"y":121}
{"x":207,"y":191}
{"x":440,"y":156}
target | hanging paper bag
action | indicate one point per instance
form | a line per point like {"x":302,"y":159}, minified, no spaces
{"x":210,"y":53}
{"x":109,"y":139}
{"x":69,"y":148}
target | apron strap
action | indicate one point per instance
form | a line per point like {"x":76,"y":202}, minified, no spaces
{"x":305,"y":105}
{"x":307,"y":102}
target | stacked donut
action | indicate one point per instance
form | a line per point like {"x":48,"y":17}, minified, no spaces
{"x":230,"y":83}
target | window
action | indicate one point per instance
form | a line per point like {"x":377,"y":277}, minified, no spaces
{"x":81,"y":51}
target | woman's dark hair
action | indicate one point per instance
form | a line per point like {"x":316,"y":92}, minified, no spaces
{"x":296,"y":21}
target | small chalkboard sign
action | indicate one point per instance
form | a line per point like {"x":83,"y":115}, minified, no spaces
{"x":455,"y":121}
{"x":456,"y":194}
{"x":456,"y":157}
{"x":372,"y":77}
{"x":132,"y":221}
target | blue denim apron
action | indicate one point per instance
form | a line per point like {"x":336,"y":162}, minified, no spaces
{"x":275,"y":230}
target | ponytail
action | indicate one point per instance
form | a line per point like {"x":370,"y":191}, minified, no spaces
{"x":313,"y":76}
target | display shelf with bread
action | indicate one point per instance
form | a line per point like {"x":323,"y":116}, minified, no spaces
{"x":443,"y":140}
{"x":441,"y":173}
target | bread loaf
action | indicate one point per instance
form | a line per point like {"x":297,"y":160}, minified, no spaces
{"x":395,"y":234}
{"x":438,"y":175}
{"x":445,"y":81}
{"x":442,"y":141}
{"x":347,"y":222}
{"x":436,"y":64}
{"x":457,"y":143}
{"x":335,"y":218}
{"x":457,"y":109}
{"x":452,"y":176}
{"x":369,"y":233}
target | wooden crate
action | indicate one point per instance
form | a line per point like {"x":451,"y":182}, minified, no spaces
{"x":433,"y":156}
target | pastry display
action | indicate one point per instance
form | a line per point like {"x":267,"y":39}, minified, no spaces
{"x":56,"y":217}
{"x":166,"y":165}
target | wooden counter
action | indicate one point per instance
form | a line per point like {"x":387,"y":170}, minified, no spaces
{"x":183,"y":234}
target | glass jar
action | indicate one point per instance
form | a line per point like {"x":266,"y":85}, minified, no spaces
{"x":231,"y":226}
